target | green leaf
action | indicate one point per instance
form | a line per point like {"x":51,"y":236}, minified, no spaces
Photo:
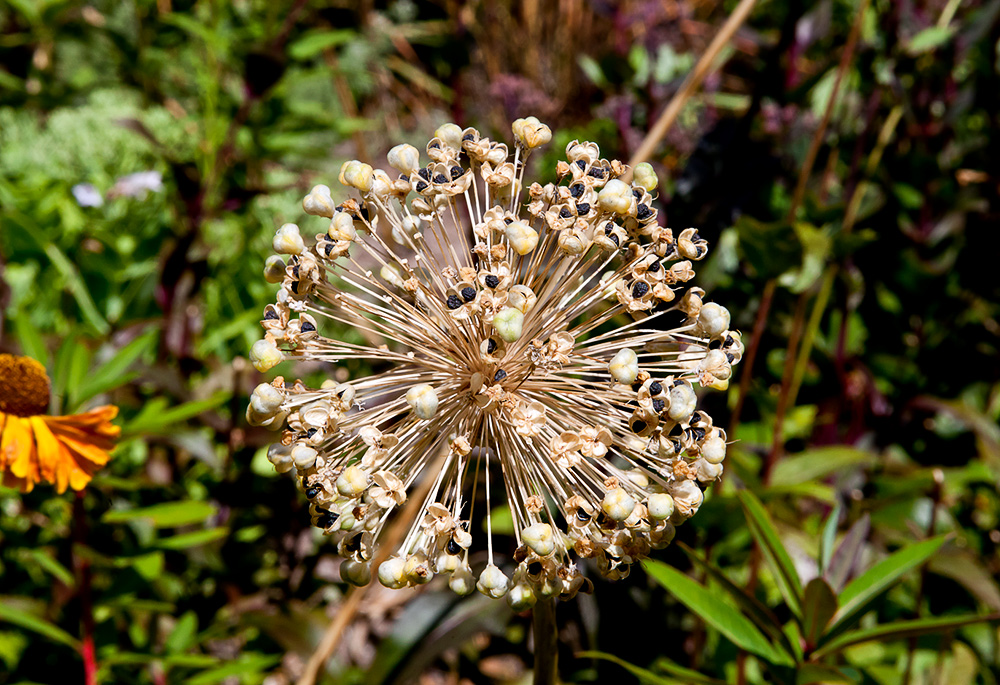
{"x":770,"y":544}
{"x":819,"y":604}
{"x":898,"y":630}
{"x":816,"y":464}
{"x":651,"y":678}
{"x":183,"y":635}
{"x":36,"y":625}
{"x":769,"y":248}
{"x":811,"y":674}
{"x":313,"y":43}
{"x":758,"y":613}
{"x":861,"y":592}
{"x":53,"y":567}
{"x":193,"y":539}
{"x":704,"y":604}
{"x":829,"y":535}
{"x":248,"y":664}
{"x":166,"y":515}
{"x":149,"y":566}
{"x":112,"y":374}
{"x":32,"y":344}
{"x":845,"y":558}
{"x":930,"y":38}
{"x":157,"y":418}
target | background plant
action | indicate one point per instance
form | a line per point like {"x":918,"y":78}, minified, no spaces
{"x":869,"y":416}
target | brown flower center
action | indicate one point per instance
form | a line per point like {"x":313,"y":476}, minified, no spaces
{"x":24,"y":386}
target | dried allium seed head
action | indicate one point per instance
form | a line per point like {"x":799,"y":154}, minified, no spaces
{"x":494,"y":323}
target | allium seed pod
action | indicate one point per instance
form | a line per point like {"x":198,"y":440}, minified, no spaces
{"x":497,"y":318}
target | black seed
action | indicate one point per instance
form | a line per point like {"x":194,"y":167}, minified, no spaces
{"x":327,"y":520}
{"x":270,"y":315}
{"x":576,"y":190}
{"x":582,"y":208}
{"x":295,"y":287}
{"x":695,"y":419}
{"x":701,"y":250}
{"x":581,"y":515}
{"x":307,"y":327}
{"x":491,"y":346}
{"x":468,"y":136}
{"x":730,"y":357}
{"x":499,"y":375}
{"x":582,"y":164}
{"x":312,"y":492}
{"x":534,"y":568}
{"x":363,"y":213}
{"x":434,"y":145}
{"x":454,"y":302}
{"x":354,"y":544}
{"x":507,"y":220}
{"x":456,"y":171}
{"x":608,"y":227}
{"x":613,"y":238}
{"x":596,"y":172}
{"x":328,"y":248}
{"x":603,"y":520}
{"x":491,"y":281}
{"x":699,"y":434}
{"x":637,"y":193}
{"x":468,"y":293}
{"x":440,"y":178}
{"x":715,"y":344}
{"x":425,"y":174}
{"x":453,"y":547}
{"x":404,"y":177}
{"x":639,"y":289}
{"x":311,"y":432}
{"x":655,"y":388}
{"x":421,"y":186}
{"x":654,"y":267}
{"x":295,"y":271}
{"x":639,"y":426}
{"x":565,"y":213}
{"x":642,"y":212}
{"x":658,"y":405}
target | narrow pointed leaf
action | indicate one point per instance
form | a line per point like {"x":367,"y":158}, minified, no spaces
{"x":112,"y":374}
{"x":861,"y":592}
{"x":37,"y":625}
{"x":819,"y":604}
{"x":898,"y":630}
{"x":845,"y":559}
{"x":751,"y":606}
{"x":810,"y":674}
{"x":767,"y":538}
{"x":828,"y":538}
{"x":708,"y":607}
{"x":650,"y":678}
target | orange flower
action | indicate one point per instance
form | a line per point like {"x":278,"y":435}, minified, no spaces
{"x":63,"y":450}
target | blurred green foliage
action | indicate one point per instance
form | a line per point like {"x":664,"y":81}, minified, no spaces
{"x":875,"y":530}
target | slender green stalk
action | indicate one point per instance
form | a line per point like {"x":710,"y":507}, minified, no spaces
{"x":546,"y":634}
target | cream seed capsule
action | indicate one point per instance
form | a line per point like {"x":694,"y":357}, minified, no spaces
{"x":266,"y":399}
{"x":522,"y":297}
{"x":682,"y":402}
{"x":423,"y":400}
{"x":288,"y":240}
{"x":417,"y":570}
{"x":274,"y":269}
{"x":615,"y":197}
{"x":404,"y":158}
{"x":624,"y":366}
{"x":462,"y":582}
{"x":392,"y":574}
{"x":450,"y":135}
{"x":644,"y":176}
{"x":660,"y":506}
{"x":522,"y":237}
{"x":713,"y":450}
{"x":319,"y":202}
{"x":304,"y":457}
{"x":342,"y":227}
{"x":352,"y":481}
{"x":539,"y":538}
{"x":492,"y":582}
{"x":531,"y":133}
{"x":357,"y":175}
{"x":521,"y":597}
{"x":281,"y":457}
{"x":618,"y":504}
{"x":265,"y":355}
{"x":390,"y":274}
{"x":713,"y":319}
{"x":508,"y":323}
{"x":355,"y":572}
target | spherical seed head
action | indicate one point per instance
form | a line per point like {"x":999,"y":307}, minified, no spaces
{"x":24,"y":388}
{"x":644,"y":176}
{"x":713,"y":319}
{"x":495,"y":311}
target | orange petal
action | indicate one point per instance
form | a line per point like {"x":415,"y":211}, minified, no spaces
{"x":84,"y":449}
{"x":55,"y":461}
{"x":19,"y":452}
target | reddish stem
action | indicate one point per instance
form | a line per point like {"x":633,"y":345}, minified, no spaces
{"x":83,"y":578}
